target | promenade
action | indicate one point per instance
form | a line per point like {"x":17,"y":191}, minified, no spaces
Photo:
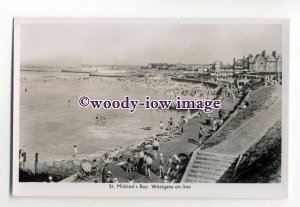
{"x":180,"y":144}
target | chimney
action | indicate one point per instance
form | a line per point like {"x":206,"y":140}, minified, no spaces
{"x":263,"y":53}
{"x":274,"y":54}
{"x":250,"y":57}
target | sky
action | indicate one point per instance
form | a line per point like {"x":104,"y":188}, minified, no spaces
{"x":143,"y":43}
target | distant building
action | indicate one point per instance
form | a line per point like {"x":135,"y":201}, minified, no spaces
{"x":161,"y":66}
{"x":221,"y":70}
{"x":263,"y":63}
{"x":226,"y":71}
{"x":259,"y":63}
{"x":261,"y":66}
{"x":240,"y":65}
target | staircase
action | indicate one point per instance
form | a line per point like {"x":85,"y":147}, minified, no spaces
{"x":206,"y":167}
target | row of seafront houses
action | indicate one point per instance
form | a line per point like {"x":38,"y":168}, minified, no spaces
{"x":261,"y":66}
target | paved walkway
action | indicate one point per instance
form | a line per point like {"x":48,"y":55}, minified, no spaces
{"x":251,"y":131}
{"x":180,"y":144}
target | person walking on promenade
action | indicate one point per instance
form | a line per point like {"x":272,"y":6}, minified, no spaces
{"x":21,"y":160}
{"x":75,"y":151}
{"x":104,"y":173}
{"x":24,"y":157}
{"x":148,"y":166}
{"x":135,"y":162}
{"x":181,"y":123}
{"x":161,"y":165}
{"x":161,"y":126}
{"x":214,"y":124}
{"x":141,"y":160}
{"x":169,"y":165}
{"x":155,"y":147}
{"x":207,"y":120}
{"x":221,"y":112}
{"x":145,"y":165}
{"x":200,"y":136}
{"x":129,"y":165}
{"x":171,"y":124}
{"x":108,"y":178}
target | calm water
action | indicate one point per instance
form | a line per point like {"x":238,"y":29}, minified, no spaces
{"x":51,"y":126}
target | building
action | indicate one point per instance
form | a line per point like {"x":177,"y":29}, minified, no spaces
{"x":161,"y":66}
{"x":221,"y":70}
{"x":266,"y":63}
{"x":240,"y":65}
{"x":267,"y":68}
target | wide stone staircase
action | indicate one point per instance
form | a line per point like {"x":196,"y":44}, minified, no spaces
{"x":209,"y":167}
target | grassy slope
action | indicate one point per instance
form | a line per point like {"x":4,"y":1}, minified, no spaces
{"x":262,"y":162}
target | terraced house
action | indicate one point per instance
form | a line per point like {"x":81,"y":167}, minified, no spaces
{"x":260,"y":66}
{"x":265,"y":63}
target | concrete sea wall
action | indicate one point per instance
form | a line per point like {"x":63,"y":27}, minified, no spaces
{"x":62,"y":168}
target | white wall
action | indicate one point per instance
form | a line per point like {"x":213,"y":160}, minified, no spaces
{"x":146,"y":8}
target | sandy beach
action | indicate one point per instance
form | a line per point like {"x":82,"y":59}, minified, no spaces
{"x":56,"y":124}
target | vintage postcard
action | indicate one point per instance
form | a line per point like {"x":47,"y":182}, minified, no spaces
{"x":150,"y":108}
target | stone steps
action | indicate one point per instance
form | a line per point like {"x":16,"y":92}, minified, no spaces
{"x":204,"y":165}
{"x":212,"y":163}
{"x":211,"y":168}
{"x":212,"y":176}
{"x":198,"y":180}
{"x":218,"y":156}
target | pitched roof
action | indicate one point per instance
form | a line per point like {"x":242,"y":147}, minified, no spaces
{"x":259,"y":55}
{"x":271,"y":58}
{"x":279,"y":58}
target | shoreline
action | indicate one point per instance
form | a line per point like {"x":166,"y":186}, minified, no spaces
{"x":159,"y":89}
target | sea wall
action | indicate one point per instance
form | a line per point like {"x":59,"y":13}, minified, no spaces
{"x":217,"y":88}
{"x":63,"y":167}
{"x":186,"y":80}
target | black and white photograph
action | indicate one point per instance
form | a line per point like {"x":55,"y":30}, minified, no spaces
{"x":149,"y":105}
